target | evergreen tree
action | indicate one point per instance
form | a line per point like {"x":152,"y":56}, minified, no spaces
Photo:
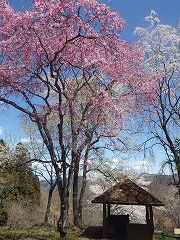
{"x":18,"y":182}
{"x":22,"y":155}
{"x":5,"y":153}
{"x":5,"y":156}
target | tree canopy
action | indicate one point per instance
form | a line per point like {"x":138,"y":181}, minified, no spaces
{"x":66,"y":58}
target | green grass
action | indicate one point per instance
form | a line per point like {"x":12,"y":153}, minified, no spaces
{"x":43,"y":232}
{"x":40,"y":232}
{"x":162,"y":237}
{"x":36,"y":233}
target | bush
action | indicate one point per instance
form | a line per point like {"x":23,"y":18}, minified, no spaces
{"x":3,"y":216}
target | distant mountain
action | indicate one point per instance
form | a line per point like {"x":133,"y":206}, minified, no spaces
{"x":98,"y":185}
{"x":44,"y":184}
{"x":144,"y":180}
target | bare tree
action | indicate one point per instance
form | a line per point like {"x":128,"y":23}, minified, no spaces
{"x":163,"y":188}
{"x":161,"y":47}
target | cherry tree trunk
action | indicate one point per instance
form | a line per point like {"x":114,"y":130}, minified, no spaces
{"x":46,"y":218}
{"x":80,"y":207}
{"x":78,"y":193}
{"x":177,"y":162}
{"x":62,"y":223}
{"x":52,"y":187}
{"x":75,"y":194}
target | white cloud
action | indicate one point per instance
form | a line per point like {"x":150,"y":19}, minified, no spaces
{"x":1,"y":130}
{"x":25,"y":140}
{"x":137,"y":167}
{"x":143,"y":163}
{"x":35,"y":164}
{"x":115,"y":160}
{"x":107,"y":164}
{"x":141,"y":166}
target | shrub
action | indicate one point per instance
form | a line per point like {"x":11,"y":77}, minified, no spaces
{"x":3,"y":216}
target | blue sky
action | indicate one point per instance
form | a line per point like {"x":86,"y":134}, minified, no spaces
{"x":133,"y":11}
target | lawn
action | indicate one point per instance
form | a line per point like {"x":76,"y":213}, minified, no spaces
{"x":50,"y":233}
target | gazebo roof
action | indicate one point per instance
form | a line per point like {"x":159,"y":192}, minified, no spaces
{"x":127,"y":192}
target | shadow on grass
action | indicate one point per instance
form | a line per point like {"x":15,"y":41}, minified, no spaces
{"x":95,"y":232}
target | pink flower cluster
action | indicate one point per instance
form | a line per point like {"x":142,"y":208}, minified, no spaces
{"x":58,"y":43}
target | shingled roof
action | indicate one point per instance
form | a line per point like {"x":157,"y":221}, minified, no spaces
{"x":127,"y":192}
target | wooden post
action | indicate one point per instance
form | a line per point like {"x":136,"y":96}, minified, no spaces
{"x":151,"y":221}
{"x":147,"y":214}
{"x":151,"y":217}
{"x":109,"y":209}
{"x":104,"y":220}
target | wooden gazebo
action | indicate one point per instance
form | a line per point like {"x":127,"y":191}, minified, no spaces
{"x":127,"y":192}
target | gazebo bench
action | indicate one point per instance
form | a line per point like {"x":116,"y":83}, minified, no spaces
{"x":111,"y":228}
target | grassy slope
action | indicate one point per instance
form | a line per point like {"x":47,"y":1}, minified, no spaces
{"x":47,"y":233}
